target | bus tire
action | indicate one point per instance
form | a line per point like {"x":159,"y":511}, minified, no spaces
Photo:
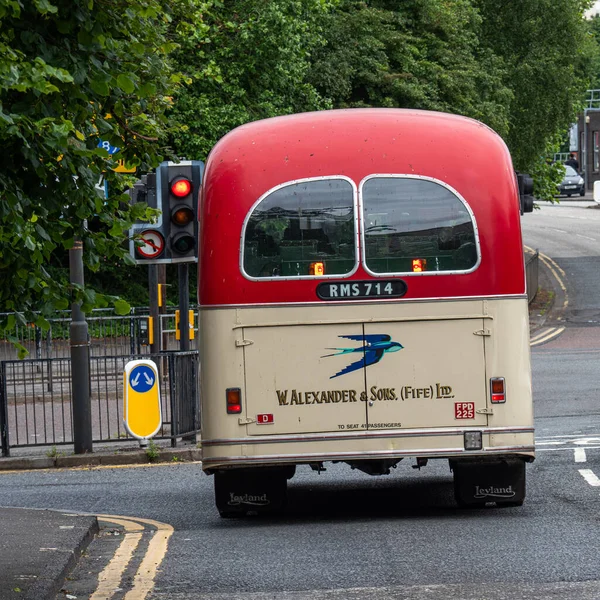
{"x":478,"y":482}
{"x":256,"y":490}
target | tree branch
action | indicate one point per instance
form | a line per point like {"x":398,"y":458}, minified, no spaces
{"x":127,"y":128}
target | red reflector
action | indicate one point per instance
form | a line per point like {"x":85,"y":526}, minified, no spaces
{"x":181,"y":187}
{"x":418,"y":265}
{"x":497,"y":390}
{"x":234,"y":401}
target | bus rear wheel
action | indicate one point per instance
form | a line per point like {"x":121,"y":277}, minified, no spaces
{"x":251,"y":490}
{"x":478,"y":482}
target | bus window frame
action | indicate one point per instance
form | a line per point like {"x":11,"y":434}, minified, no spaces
{"x":355,"y":210}
{"x":363,"y":247}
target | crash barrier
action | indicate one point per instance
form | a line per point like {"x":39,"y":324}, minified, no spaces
{"x":531,"y":274}
{"x":109,"y":335}
{"x":36,"y":400}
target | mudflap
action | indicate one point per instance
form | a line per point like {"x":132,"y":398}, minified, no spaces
{"x":478,"y":482}
{"x":257,"y":490}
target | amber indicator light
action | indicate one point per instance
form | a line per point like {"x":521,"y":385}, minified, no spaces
{"x":181,"y":187}
{"x":234,"y":401}
{"x":418,"y":265}
{"x":317,"y":268}
{"x":182,"y":215}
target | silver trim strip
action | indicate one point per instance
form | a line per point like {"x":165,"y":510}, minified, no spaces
{"x":304,"y":277}
{"x":362,"y":302}
{"x":363,"y":247}
{"x":346,"y":456}
{"x":353,"y":321}
{"x":369,"y":434}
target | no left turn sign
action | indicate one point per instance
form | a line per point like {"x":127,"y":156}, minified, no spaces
{"x":153,"y":244}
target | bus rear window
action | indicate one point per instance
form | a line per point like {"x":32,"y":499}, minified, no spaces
{"x":304,"y":229}
{"x":414,"y":225}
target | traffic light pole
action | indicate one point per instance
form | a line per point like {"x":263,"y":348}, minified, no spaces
{"x":80,"y":360}
{"x":183,"y":274}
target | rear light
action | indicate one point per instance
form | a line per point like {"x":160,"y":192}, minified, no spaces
{"x":473,"y":440}
{"x":497,"y":390}
{"x":234,"y":401}
{"x":418,"y":265}
{"x":317,"y":268}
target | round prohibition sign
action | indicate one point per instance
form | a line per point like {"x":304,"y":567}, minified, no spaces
{"x":154,"y":244}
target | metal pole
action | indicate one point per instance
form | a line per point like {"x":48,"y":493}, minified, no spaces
{"x":585,"y":152}
{"x":3,"y":412}
{"x":183,"y":273}
{"x":153,"y":295}
{"x":80,"y":360}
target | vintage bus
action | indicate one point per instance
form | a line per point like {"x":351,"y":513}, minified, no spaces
{"x":362,"y":300}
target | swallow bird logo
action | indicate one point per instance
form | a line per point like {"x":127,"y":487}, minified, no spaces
{"x":373,"y":348}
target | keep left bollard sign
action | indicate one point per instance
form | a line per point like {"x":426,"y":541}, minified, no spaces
{"x":141,"y":396}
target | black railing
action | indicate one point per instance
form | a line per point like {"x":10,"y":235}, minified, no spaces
{"x":109,"y":335}
{"x":36,"y":399}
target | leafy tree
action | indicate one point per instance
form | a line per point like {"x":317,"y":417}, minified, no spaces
{"x":244,"y":60}
{"x":549,"y":55}
{"x":72,"y":72}
{"x":414,"y":54}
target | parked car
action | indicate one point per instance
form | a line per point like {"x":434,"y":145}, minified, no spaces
{"x":572,"y":183}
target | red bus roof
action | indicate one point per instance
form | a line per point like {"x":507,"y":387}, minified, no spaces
{"x":356,"y":143}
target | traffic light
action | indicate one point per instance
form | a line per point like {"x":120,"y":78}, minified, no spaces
{"x":179,"y":186}
{"x":174,"y":191}
{"x":525,"y":192}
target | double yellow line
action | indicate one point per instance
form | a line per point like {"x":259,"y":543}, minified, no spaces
{"x":557,"y":272}
{"x":109,"y":580}
{"x":545,"y":335}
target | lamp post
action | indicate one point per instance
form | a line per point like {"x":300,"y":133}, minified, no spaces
{"x":80,"y":360}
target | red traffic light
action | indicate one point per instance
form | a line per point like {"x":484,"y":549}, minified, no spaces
{"x":181,"y":187}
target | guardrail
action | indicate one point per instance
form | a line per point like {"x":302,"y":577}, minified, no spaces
{"x":36,"y":399}
{"x":531,"y":274}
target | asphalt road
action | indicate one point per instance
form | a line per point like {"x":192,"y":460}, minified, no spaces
{"x":348,"y":535}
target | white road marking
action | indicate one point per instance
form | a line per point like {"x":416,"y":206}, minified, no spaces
{"x":590,"y":477}
{"x":585,"y":237}
{"x":571,"y":442}
{"x":559,"y":230}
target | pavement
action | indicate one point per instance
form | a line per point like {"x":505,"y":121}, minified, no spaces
{"x":38,"y":548}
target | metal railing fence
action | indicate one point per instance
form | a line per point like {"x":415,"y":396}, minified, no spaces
{"x":109,"y":335}
{"x":36,"y":399}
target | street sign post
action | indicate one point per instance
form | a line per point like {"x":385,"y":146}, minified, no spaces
{"x":142,"y":413}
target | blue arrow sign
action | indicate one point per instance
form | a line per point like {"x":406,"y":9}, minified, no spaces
{"x":142,"y":379}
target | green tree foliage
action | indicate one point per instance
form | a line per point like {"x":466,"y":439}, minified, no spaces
{"x":244,"y":60}
{"x":521,"y":67}
{"x":413,"y":54}
{"x":72,"y":72}
{"x":548,"y":53}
